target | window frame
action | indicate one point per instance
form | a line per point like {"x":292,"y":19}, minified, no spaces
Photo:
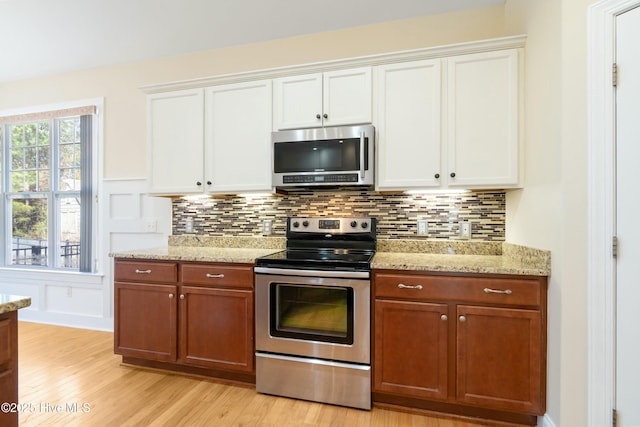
{"x":55,"y":199}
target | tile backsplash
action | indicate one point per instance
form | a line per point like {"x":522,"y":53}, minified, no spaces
{"x":396,"y":213}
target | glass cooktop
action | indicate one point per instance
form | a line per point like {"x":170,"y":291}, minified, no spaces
{"x":343,"y":259}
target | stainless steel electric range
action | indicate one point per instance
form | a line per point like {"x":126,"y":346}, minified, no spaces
{"x":313,"y":312}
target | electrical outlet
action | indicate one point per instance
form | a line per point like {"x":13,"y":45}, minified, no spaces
{"x":423,"y":227}
{"x":188,"y":225}
{"x":465,"y":229}
{"x":151,"y":225}
{"x":267,"y":226}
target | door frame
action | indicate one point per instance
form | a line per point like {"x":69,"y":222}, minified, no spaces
{"x":601,"y":209}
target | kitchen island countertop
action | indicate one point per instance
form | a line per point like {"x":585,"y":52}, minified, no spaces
{"x":13,"y":302}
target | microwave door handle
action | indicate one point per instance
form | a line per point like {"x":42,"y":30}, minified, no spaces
{"x":361,"y":155}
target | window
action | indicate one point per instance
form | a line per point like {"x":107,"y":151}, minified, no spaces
{"x":47,"y":187}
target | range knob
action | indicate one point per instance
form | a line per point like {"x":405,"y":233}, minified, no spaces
{"x":305,"y":223}
{"x":296,"y":224}
{"x":354,"y":224}
{"x":365,"y":224}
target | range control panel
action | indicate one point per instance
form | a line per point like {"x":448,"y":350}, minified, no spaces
{"x":331,"y":225}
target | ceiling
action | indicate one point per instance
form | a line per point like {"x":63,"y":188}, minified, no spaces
{"x":44,"y":37}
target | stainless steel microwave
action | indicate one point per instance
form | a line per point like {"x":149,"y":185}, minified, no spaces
{"x":330,"y":156}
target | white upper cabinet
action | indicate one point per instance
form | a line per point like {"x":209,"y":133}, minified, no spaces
{"x":323,"y":99}
{"x":408,"y":99}
{"x":455,"y":129}
{"x":238,"y":137}
{"x":483,"y":116}
{"x":174,"y":138}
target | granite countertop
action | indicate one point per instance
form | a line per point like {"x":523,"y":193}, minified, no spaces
{"x":13,"y":302}
{"x":487,"y":264}
{"x":198,"y":253}
{"x":423,"y":255}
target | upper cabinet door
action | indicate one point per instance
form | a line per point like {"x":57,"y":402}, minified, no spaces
{"x":323,"y":99}
{"x":483,"y":136}
{"x":347,"y":97}
{"x":298,"y":101}
{"x":238,"y":137}
{"x":175,"y":122}
{"x":408,"y":125}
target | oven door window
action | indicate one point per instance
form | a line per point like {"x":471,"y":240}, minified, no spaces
{"x":316,"y":313}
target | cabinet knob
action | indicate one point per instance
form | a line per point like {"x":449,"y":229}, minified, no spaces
{"x":318,"y":116}
{"x":170,"y":296}
{"x":181,"y":296}
{"x":444,"y":317}
{"x":462,"y":318}
{"x":453,"y":175}
{"x":198,"y":183}
{"x":437,"y":176}
{"x":208,"y":182}
{"x":325,"y":115}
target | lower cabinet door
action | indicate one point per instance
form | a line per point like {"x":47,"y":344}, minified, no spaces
{"x":146,"y":321}
{"x":499,"y":358}
{"x":216,"y":328}
{"x":410,"y":354}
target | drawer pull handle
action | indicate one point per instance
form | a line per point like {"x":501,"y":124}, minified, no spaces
{"x":215,"y":276}
{"x":497,"y":291}
{"x":403,"y":286}
{"x":143,"y":271}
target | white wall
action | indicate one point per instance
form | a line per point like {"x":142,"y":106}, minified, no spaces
{"x":86,"y":300}
{"x":550,"y":213}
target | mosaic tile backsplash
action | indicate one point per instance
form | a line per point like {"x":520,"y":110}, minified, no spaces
{"x":396,"y":213}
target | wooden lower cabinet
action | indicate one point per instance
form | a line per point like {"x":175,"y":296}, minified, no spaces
{"x":467,"y":345}
{"x":146,"y":321}
{"x":216,"y":328}
{"x":410,"y":353}
{"x":498,"y":358}
{"x":200,"y":323}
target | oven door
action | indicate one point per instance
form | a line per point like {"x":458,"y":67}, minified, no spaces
{"x":313,"y":316}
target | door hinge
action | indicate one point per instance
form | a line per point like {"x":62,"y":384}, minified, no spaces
{"x":614,"y":420}
{"x":614,"y":246}
{"x":614,"y":74}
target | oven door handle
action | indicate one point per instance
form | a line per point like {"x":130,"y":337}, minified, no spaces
{"x":313,"y":273}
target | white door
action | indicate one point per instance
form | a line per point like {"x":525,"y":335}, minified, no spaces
{"x":627,"y":222}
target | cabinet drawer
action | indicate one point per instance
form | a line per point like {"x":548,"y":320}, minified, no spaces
{"x":485,"y":290}
{"x":146,"y":271}
{"x":217,"y":275}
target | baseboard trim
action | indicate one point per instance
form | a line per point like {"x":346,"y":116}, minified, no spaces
{"x":546,"y":421}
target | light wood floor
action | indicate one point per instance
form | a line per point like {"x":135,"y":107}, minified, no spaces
{"x":70,"y":377}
